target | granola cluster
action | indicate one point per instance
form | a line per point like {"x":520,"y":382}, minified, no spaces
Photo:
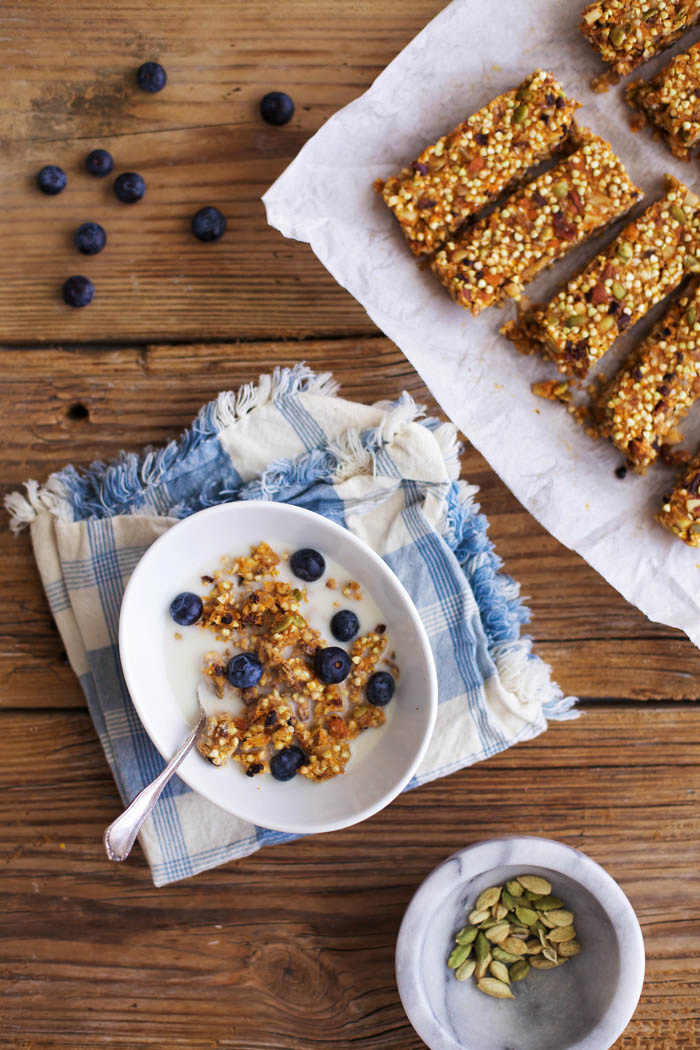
{"x":628,"y":32}
{"x":251,"y":609}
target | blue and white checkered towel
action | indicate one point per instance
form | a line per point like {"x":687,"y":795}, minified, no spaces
{"x":383,"y":471}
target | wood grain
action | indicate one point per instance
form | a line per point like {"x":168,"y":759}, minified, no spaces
{"x":69,"y":85}
{"x":229,"y":959}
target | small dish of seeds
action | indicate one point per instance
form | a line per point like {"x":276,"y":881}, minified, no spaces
{"x":523,"y":943}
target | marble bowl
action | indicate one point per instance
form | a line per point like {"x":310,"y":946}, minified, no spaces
{"x":584,"y":1005}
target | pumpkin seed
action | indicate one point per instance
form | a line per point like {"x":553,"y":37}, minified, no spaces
{"x":466,"y":935}
{"x":488,"y":898}
{"x":458,"y":955}
{"x":497,"y":989}
{"x":617,"y":36}
{"x":535,"y":883}
{"x":575,"y":321}
{"x":500,"y":971}
{"x":497,"y":934}
{"x":624,"y":251}
{"x":463,"y":972}
{"x":618,"y":290}
{"x":690,"y":315}
{"x":569,"y":948}
{"x":678,"y":214}
{"x":514,"y":945}
{"x":519,"y":970}
{"x":529,"y":917}
{"x":560,"y":190}
{"x":479,"y":915}
{"x":604,"y":326}
{"x":520,"y":113}
{"x":514,"y":888}
{"x":507,"y":957}
{"x":561,"y":934}
{"x":561,"y":917}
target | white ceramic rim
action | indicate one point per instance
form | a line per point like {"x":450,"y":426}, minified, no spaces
{"x":381,"y":569}
{"x":550,"y":854}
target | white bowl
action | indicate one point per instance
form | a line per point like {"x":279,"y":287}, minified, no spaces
{"x":386,"y":759}
{"x":584,"y":1005}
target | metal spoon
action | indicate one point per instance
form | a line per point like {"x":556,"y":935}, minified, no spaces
{"x":121,"y":834}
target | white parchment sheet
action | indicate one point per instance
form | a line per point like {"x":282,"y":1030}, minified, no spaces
{"x":469,"y":53}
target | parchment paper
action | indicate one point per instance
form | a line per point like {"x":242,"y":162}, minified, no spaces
{"x":470,"y":52}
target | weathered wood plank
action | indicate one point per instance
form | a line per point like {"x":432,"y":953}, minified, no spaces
{"x":200,"y":141}
{"x":598,"y":645}
{"x":239,"y":958}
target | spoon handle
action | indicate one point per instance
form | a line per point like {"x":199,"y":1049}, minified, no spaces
{"x":121,"y":833}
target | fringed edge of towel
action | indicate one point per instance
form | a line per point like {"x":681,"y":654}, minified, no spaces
{"x":104,"y":489}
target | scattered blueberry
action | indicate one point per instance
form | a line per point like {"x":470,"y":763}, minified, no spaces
{"x":129,"y":187}
{"x":307,"y":564}
{"x":380,"y":688}
{"x":99,"y":162}
{"x":344,"y":625}
{"x":152,"y":77}
{"x":186,"y":608}
{"x":78,"y":290}
{"x":621,"y":472}
{"x":276,"y":107}
{"x":208,"y":224}
{"x":90,"y":238}
{"x":244,"y":670}
{"x":51,"y":180}
{"x":332,"y":665}
{"x":285,"y":763}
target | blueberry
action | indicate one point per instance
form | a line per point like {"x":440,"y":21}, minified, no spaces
{"x":99,"y":162}
{"x":307,"y":564}
{"x":244,"y":670}
{"x":78,"y":290}
{"x":208,"y":224}
{"x":277,"y":108}
{"x":332,"y":665}
{"x":51,"y":180}
{"x":129,"y":187}
{"x":285,"y":763}
{"x":90,"y":238}
{"x":186,"y":608}
{"x":151,"y":77}
{"x":380,"y":688}
{"x":344,"y":625}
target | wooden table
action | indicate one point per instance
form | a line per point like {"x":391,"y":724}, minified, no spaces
{"x":292,"y":947}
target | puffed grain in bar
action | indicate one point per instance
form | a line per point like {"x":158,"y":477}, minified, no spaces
{"x":617,"y":288}
{"x":628,"y":32}
{"x":680,"y":511}
{"x":496,"y":257}
{"x":489,"y":152}
{"x":670,"y":101}
{"x":656,"y":385}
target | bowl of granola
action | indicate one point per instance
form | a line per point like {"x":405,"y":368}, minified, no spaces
{"x":306,"y":651}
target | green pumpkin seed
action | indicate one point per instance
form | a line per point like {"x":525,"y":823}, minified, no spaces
{"x":561,"y":934}
{"x":520,"y":113}
{"x":466,"y":935}
{"x":281,"y":625}
{"x":514,"y":888}
{"x":624,"y":251}
{"x":463,"y":972}
{"x":495,"y":988}
{"x":507,"y":957}
{"x":458,"y":955}
{"x":618,"y":290}
{"x":617,"y":36}
{"x":561,"y":917}
{"x":479,"y":915}
{"x":690,"y":315}
{"x":524,"y":95}
{"x":488,"y":898}
{"x":519,"y":970}
{"x":678,"y":213}
{"x":575,"y":321}
{"x":604,"y":326}
{"x":500,"y":971}
{"x":498,"y":933}
{"x":528,"y":917}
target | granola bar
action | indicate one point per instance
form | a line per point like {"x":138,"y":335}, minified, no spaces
{"x":636,"y":271}
{"x":628,"y":32}
{"x":490,"y":151}
{"x":496,"y":257}
{"x":680,"y":512}
{"x":671,"y":101}
{"x":656,"y":385}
